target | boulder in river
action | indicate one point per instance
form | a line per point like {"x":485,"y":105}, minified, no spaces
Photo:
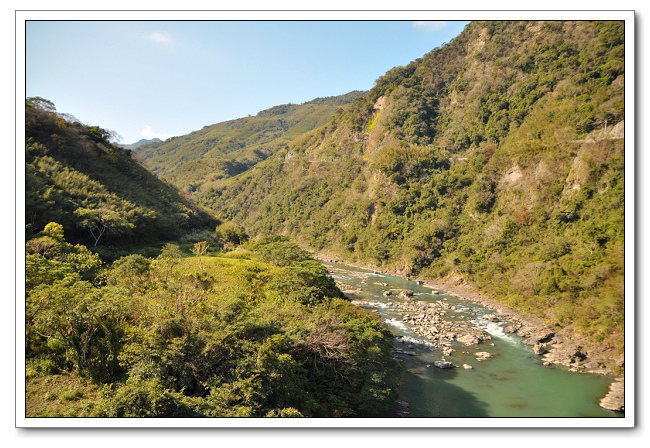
{"x":482,"y":356}
{"x":472,"y":336}
{"x":443,"y":364}
{"x":539,"y":349}
{"x":406,"y":293}
{"x":543,"y":335}
{"x":400,"y":351}
{"x":511,"y":328}
{"x":468,"y":339}
{"x":447,"y":351}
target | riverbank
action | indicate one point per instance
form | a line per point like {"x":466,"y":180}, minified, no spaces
{"x":563,"y":347}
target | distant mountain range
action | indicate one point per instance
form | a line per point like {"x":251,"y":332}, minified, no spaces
{"x":139,"y":143}
{"x":196,"y":160}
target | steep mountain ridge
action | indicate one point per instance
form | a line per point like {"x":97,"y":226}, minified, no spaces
{"x":475,"y":162}
{"x":96,"y":190}
{"x":193,"y":161}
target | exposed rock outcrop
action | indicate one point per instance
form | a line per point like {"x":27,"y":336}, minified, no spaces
{"x":615,"y":399}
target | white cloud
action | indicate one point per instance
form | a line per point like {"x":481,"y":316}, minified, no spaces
{"x":160,"y":37}
{"x":148,"y":133}
{"x":430,"y":25}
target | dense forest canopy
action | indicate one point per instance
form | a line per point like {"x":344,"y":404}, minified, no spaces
{"x":261,"y":331}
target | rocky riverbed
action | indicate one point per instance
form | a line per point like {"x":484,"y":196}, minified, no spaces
{"x":562,"y":347}
{"x":427,"y":320}
{"x":556,"y":346}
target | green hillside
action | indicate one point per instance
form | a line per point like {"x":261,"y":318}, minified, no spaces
{"x":256,"y":332}
{"x":193,"y":161}
{"x":77,"y":178}
{"x":233,"y":329}
{"x":497,"y":160}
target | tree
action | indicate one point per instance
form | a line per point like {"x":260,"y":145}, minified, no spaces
{"x":131,"y":272}
{"x":231,"y":232}
{"x":144,"y":398}
{"x":40,"y":103}
{"x":200,"y":249}
{"x":100,"y":220}
{"x":40,"y":270}
{"x":102,"y":135}
{"x":55,"y":231}
{"x":281,"y":253}
{"x":88,"y":321}
{"x":169,"y":257}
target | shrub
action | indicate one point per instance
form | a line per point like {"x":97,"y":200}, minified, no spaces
{"x":143,"y":398}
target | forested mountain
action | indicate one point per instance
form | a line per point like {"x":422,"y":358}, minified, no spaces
{"x":193,"y":161}
{"x":236,"y":329}
{"x":94,"y":189}
{"x":496,"y":159}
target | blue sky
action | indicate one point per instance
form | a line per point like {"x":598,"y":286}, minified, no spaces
{"x":145,"y":79}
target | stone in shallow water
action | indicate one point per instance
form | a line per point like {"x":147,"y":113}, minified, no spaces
{"x":443,"y":364}
{"x":511,"y":328}
{"x":482,"y":356}
{"x":539,"y":349}
{"x":473,"y":336}
{"x":447,"y":351}
{"x":468,"y":339}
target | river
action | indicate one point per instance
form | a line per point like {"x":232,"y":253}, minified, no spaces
{"x":513,"y":383}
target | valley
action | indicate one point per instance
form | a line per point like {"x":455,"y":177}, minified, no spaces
{"x":347,"y":256}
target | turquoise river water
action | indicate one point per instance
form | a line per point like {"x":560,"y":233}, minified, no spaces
{"x":513,"y":383}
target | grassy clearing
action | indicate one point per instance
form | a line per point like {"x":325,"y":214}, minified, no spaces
{"x":62,"y":395}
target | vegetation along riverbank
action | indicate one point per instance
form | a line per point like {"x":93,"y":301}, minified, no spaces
{"x":564,"y":347}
